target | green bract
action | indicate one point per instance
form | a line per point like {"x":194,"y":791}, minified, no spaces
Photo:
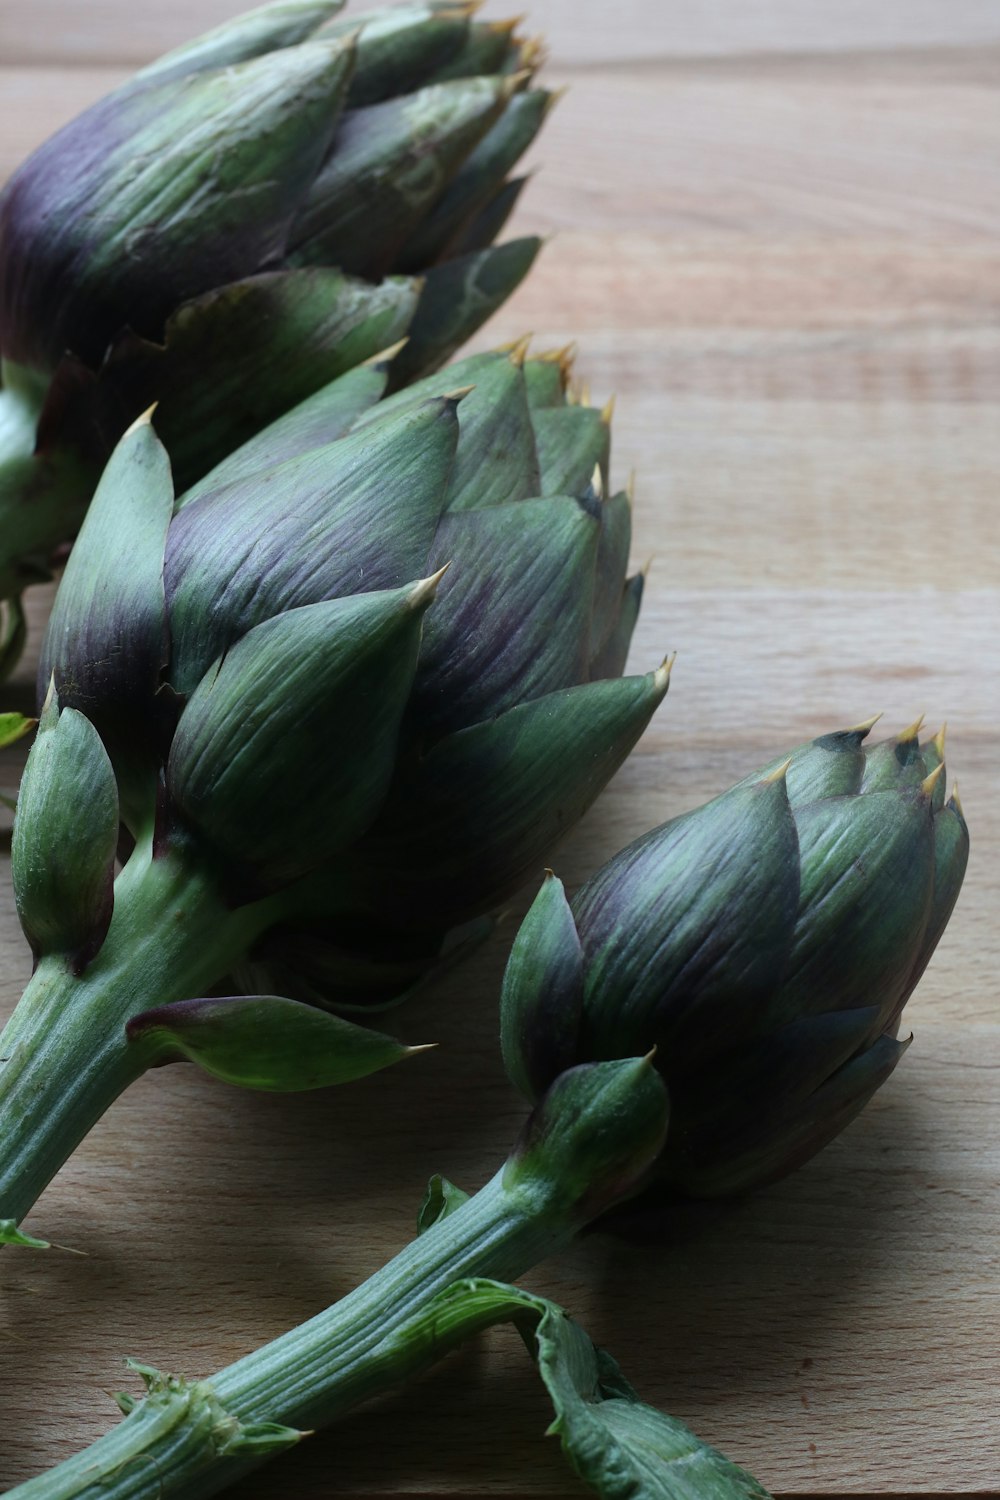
{"x":239,"y":224}
{"x":765,"y":944}
{"x":346,"y":693}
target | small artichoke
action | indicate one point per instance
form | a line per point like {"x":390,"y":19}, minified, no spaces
{"x":764,"y":944}
{"x":344,"y":695}
{"x":237,"y":225}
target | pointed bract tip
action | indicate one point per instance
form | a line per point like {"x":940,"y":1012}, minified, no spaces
{"x":930,"y":782}
{"x":549,"y":873}
{"x":513,"y":83}
{"x":532,"y":54}
{"x":458,"y":394}
{"x":145,"y":419}
{"x":585,"y":393}
{"x":49,"y":712}
{"x":552,"y":98}
{"x":420,"y":1047}
{"x":422,"y":592}
{"x":647,"y":1057}
{"x":938,"y":740}
{"x":630,"y":486}
{"x":385,"y":356}
{"x":608,"y":411}
{"x":778,"y":774}
{"x":866,"y":726}
{"x":517,"y":352}
{"x":647,"y":566}
{"x":911,"y":731}
{"x":661,"y":677}
{"x":597,"y":482}
{"x":955,"y":801}
{"x":499,"y":28}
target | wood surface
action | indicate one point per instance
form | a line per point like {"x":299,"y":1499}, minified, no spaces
{"x":776,"y":238}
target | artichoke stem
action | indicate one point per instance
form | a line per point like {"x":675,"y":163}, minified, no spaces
{"x":192,"y":1439}
{"x":64,"y":1054}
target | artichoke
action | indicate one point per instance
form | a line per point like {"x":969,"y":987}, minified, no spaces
{"x":764,"y":944}
{"x":332,"y":753}
{"x":243,"y":221}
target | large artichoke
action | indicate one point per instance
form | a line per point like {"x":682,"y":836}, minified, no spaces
{"x":325,"y":769}
{"x":243,"y":221}
{"x":765,"y":944}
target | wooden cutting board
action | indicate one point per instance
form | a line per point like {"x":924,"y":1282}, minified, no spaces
{"x":777,"y":241}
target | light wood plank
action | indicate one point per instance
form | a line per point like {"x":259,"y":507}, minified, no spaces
{"x":630,"y":32}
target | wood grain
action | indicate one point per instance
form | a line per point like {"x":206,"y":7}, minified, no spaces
{"x":776,"y":238}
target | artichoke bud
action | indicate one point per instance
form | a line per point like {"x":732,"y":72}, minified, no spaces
{"x":65,"y":837}
{"x":193,"y":182}
{"x":317,"y":692}
{"x":764,"y":944}
{"x":592,"y":1138}
{"x":541,"y":1002}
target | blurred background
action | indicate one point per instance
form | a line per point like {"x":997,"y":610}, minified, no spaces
{"x":774,"y":237}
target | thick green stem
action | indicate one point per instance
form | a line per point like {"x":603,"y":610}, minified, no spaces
{"x":192,"y":1439}
{"x":65,"y":1055}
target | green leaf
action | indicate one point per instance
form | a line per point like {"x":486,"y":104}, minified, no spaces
{"x":11,"y":1235}
{"x":441,"y":1199}
{"x":264,"y":1042}
{"x":14,"y":727}
{"x":620,"y":1447}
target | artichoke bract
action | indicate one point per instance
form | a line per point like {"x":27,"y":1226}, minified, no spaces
{"x":343,"y":695}
{"x":240,"y":223}
{"x":764,"y":944}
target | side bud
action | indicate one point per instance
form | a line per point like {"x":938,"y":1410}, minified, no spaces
{"x":65,"y":835}
{"x":592,"y":1139}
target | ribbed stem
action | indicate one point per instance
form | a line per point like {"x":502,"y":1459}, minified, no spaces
{"x":589,"y":1143}
{"x":191,"y":1440}
{"x":64,"y":1054}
